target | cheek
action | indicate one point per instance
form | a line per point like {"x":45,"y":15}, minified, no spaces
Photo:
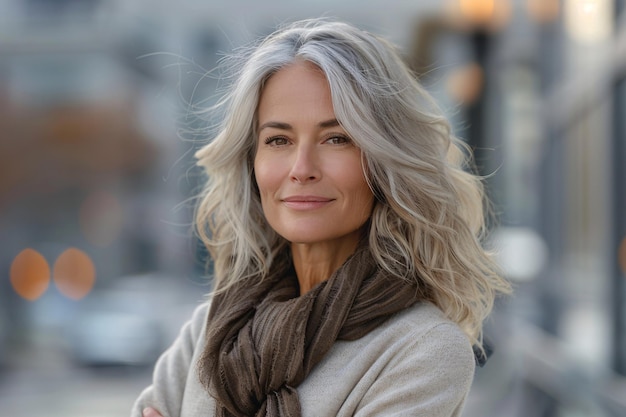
{"x":260,"y":175}
{"x":267,"y":179}
{"x":362,"y":198}
{"x":348,"y":174}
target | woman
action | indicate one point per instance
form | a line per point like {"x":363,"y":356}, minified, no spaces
{"x":344,"y":230}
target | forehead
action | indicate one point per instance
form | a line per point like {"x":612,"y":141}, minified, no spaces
{"x":298,"y":70}
{"x":298,"y":87}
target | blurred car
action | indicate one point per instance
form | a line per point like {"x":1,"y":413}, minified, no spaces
{"x":131,"y":322}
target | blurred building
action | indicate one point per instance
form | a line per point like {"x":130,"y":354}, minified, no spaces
{"x":100,"y":113}
{"x":539,"y":88}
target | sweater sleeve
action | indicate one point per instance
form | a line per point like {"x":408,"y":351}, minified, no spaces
{"x":172,"y":369}
{"x":429,"y":376}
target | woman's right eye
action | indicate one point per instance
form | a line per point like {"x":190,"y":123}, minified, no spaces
{"x":276,"y":141}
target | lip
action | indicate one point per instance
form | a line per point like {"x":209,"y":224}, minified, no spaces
{"x":306,"y":202}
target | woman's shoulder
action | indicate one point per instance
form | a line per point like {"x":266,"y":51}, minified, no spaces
{"x":200,"y":312}
{"x":423,"y":332}
{"x":415,"y":356}
{"x":417,"y":334}
{"x":421,"y":319}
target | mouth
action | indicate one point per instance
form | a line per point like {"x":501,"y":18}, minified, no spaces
{"x":306,"y":202}
{"x":306,"y":199}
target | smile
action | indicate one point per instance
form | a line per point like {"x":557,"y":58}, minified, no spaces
{"x":306,"y":202}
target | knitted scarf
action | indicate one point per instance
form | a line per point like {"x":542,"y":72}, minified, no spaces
{"x":264,"y":339}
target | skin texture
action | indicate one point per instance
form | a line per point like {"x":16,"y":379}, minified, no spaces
{"x":309,"y":173}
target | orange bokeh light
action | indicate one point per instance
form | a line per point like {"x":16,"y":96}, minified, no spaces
{"x":74,"y":273}
{"x":469,"y":15}
{"x":478,"y":11}
{"x":30,"y":274}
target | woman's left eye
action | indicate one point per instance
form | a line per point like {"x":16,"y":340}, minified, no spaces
{"x":338,"y":140}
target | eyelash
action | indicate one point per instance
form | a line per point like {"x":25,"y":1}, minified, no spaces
{"x":345,"y":139}
{"x":272,"y":139}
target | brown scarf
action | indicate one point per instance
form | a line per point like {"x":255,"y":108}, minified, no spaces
{"x":264,"y":339}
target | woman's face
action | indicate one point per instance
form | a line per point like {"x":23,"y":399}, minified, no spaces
{"x":308,"y":171}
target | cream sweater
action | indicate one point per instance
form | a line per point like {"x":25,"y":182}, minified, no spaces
{"x":417,"y":363}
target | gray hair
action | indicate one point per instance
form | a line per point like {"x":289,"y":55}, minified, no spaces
{"x":429,"y":216}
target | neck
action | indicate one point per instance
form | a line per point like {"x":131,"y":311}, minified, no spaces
{"x":315,"y":263}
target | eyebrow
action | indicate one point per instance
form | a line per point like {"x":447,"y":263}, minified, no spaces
{"x":287,"y":126}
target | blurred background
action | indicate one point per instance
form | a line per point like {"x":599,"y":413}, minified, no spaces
{"x":98,"y":125}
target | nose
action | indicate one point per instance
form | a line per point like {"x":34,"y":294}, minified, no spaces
{"x":305,"y":167}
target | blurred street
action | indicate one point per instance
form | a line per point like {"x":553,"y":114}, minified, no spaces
{"x":52,"y":372}
{"x":103,"y":104}
{"x":45,"y":383}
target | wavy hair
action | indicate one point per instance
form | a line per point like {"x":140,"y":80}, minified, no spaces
{"x":429,"y":216}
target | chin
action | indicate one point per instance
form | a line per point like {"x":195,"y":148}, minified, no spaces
{"x":305,"y":239}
